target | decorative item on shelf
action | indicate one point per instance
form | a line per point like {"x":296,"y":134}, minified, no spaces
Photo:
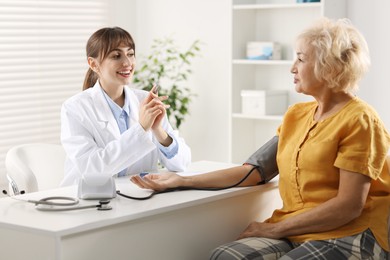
{"x":308,"y":1}
{"x":263,"y":51}
{"x":169,"y":68}
{"x":264,"y":102}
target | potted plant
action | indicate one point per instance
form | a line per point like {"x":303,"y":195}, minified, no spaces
{"x":169,"y":68}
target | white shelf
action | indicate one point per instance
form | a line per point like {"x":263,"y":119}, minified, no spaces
{"x":278,"y":21}
{"x":262,"y":62}
{"x":266,"y":117}
{"x":275,"y":6}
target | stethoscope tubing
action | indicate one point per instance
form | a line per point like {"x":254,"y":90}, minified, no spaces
{"x":50,"y":201}
{"x":66,"y":206}
{"x":57,"y":208}
{"x":50,"y":204}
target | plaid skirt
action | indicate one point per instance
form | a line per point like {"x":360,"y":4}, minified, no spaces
{"x":360,"y":246}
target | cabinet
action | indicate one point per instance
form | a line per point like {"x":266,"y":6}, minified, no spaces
{"x":267,"y":21}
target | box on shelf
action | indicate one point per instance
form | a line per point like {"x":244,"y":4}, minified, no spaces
{"x":264,"y":102}
{"x":263,"y":51}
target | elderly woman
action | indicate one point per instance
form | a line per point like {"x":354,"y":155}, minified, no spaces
{"x":331,"y":155}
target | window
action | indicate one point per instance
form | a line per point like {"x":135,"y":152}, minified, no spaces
{"x":42,"y":63}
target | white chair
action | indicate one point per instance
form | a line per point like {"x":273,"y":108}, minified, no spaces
{"x":34,"y":167}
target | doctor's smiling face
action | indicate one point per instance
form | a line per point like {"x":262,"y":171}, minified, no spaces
{"x":111,"y":58}
{"x":117,"y":68}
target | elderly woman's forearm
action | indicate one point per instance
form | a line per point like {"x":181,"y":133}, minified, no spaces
{"x":224,"y":178}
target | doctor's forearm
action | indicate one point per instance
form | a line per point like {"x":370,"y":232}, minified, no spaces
{"x":162,"y":137}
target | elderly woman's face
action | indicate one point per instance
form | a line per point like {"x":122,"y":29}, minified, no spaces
{"x":303,"y":70}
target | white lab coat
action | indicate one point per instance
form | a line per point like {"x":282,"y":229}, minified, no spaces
{"x":94,"y":145}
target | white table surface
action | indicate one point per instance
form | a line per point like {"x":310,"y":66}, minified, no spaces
{"x":23,"y":218}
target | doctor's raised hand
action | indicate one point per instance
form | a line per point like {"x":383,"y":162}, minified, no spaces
{"x":111,"y":128}
{"x":152,"y":114}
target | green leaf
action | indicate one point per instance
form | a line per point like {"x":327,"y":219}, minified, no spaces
{"x":171,"y":67}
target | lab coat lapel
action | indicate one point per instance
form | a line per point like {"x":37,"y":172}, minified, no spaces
{"x":104,"y":115}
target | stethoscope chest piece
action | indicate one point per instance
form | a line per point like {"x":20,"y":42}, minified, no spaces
{"x":103,"y":205}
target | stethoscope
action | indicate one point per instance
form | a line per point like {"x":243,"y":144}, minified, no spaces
{"x":55,"y":203}
{"x":60,"y":203}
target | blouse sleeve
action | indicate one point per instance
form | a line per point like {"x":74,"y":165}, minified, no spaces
{"x":363,"y":146}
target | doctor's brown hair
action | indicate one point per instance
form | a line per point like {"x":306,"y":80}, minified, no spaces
{"x":100,"y":45}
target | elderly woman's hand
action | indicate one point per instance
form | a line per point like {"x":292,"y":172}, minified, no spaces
{"x":262,"y":229}
{"x":158,"y":182}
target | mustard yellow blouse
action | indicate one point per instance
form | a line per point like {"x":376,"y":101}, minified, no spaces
{"x":311,"y":153}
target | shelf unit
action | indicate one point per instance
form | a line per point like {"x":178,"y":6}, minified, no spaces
{"x":271,"y":21}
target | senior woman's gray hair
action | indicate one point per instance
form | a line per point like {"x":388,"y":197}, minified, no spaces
{"x":341,"y":53}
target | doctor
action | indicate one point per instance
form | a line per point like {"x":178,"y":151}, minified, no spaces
{"x":111,"y":129}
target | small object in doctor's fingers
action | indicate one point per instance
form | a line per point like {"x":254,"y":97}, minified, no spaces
{"x":156,"y":88}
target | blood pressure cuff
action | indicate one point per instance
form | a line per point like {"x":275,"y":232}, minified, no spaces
{"x":265,"y":160}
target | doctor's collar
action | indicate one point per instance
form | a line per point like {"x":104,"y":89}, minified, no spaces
{"x":115,"y":108}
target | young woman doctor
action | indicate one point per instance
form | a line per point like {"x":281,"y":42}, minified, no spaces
{"x":111,"y":129}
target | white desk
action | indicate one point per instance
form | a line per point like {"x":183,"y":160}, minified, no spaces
{"x":182,"y":225}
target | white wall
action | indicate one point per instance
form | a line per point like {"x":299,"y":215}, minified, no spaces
{"x":207,"y":128}
{"x":123,"y":14}
{"x":372,"y":19}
